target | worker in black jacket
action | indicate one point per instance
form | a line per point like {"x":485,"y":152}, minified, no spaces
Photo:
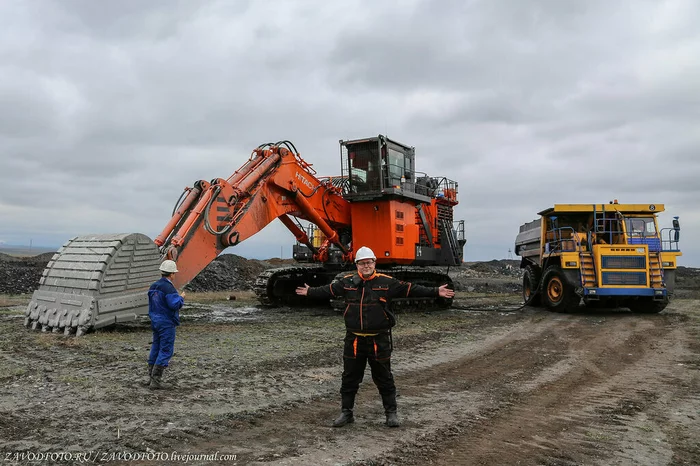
{"x":368,"y":322}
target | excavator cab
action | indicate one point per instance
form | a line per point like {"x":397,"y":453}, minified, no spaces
{"x":379,"y":168}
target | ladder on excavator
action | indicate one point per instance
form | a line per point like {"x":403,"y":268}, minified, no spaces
{"x":449,"y":236}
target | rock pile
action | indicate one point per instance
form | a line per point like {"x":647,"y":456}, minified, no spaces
{"x":19,"y":275}
{"x":231,"y":272}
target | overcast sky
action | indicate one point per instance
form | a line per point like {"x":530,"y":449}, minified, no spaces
{"x":108,"y":109}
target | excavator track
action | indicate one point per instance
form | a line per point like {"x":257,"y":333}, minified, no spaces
{"x":419,"y":276}
{"x":94,"y":281}
{"x":275,"y":287}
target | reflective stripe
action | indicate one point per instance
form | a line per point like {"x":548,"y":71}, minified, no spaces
{"x":362,"y":298}
{"x":375,"y":347}
{"x":354,"y":347}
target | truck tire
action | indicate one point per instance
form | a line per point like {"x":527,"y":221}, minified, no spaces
{"x":646,"y":305}
{"x":531,"y":286}
{"x":557,"y":293}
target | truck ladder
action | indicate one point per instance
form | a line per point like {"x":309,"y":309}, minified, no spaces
{"x":656,"y":273}
{"x":587,"y":270}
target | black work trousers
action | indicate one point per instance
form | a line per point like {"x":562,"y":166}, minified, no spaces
{"x":357,"y":352}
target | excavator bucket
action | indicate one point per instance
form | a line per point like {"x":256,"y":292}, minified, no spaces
{"x":94,"y":281}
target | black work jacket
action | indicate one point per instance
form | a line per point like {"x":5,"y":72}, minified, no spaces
{"x":367,"y":299}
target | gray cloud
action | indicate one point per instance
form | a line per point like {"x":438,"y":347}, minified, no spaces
{"x":108,"y":110}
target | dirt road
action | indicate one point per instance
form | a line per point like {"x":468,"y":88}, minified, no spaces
{"x":475,"y":387}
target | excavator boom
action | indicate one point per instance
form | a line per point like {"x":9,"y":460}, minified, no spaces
{"x":275,"y":183}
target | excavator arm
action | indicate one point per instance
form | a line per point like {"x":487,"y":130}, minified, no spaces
{"x":274,"y":183}
{"x":99,"y":280}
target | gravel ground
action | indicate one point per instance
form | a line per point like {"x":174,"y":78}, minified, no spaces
{"x":485,"y":383}
{"x":490,"y":386}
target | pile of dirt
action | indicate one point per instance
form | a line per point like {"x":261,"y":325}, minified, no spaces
{"x":230,"y":272}
{"x":19,"y":275}
{"x":493,"y":268}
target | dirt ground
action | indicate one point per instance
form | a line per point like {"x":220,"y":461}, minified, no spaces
{"x":483,"y":385}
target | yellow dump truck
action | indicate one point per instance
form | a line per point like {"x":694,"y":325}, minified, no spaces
{"x":607,"y":255}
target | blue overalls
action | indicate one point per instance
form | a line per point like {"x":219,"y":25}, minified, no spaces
{"x":164,"y":305}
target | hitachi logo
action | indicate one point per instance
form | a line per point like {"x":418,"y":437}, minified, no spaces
{"x":304,"y":181}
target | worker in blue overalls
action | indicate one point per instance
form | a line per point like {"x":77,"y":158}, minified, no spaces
{"x":164,"y":304}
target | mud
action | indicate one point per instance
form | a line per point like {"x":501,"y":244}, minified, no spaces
{"x":486,"y":384}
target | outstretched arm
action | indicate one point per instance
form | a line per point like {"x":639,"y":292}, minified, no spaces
{"x":303,"y":290}
{"x":445,"y":292}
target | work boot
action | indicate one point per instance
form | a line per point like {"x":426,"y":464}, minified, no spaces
{"x":157,"y":378}
{"x":346,"y":417}
{"x":389,"y":402}
{"x":347,"y":401}
{"x":150,"y":375}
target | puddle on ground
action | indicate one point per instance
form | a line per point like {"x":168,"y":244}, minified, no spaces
{"x":220,"y":313}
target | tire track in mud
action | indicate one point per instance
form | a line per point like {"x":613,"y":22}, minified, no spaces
{"x":577,"y":410}
{"x":534,"y":388}
{"x":550,"y":392}
{"x":431,"y":387}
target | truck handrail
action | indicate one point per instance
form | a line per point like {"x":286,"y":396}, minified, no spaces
{"x":564,"y":239}
{"x":669,"y":239}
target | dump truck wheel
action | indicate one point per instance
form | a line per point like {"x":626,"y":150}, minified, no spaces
{"x":558,"y":294}
{"x":646,"y":305}
{"x":531,"y":286}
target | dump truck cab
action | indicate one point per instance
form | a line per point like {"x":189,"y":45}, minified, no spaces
{"x":608,"y":254}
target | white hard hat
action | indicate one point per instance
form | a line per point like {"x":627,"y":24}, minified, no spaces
{"x":364,"y":253}
{"x":168,"y":266}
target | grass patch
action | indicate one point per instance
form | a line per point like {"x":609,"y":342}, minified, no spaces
{"x":7,"y":300}
{"x":599,"y":436}
{"x":244,"y":298}
{"x":75,"y":380}
{"x":10,"y":372}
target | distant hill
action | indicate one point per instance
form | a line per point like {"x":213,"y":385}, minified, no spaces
{"x":24,"y":251}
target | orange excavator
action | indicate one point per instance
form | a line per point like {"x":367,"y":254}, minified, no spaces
{"x":379,"y":200}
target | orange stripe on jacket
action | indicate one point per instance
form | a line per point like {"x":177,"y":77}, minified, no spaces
{"x":354,"y":347}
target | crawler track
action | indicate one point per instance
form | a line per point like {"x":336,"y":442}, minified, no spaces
{"x":275,"y":287}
